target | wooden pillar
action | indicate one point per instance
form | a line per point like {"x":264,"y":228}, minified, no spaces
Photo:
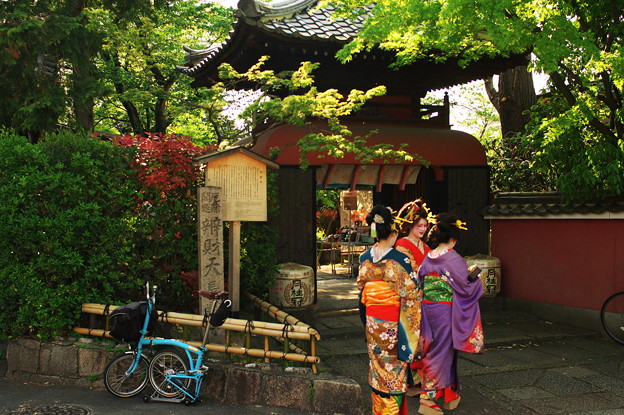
{"x":234,"y":266}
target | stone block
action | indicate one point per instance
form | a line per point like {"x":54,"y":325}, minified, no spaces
{"x":288,"y":391}
{"x":337,"y":396}
{"x":91,"y":362}
{"x":23,"y":355}
{"x":59,"y":360}
{"x":20,"y":376}
{"x":4,"y":343}
{"x":213,"y":386}
{"x":244,"y":387}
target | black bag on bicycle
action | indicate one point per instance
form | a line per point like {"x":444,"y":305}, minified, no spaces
{"x":128,"y":320}
{"x":218,"y":317}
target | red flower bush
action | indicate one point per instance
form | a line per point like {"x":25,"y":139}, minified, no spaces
{"x":165,"y":161}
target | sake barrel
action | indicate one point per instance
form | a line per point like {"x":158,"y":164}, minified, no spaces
{"x":293,"y":286}
{"x":490,"y":274}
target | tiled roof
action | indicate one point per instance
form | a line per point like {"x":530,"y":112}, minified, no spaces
{"x":290,"y":18}
{"x":274,"y":9}
{"x":314,"y":25}
{"x":549,"y":203}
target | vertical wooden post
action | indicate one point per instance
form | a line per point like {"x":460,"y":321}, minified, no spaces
{"x":234,"y":266}
{"x":313,"y":352}
{"x":266,"y":349}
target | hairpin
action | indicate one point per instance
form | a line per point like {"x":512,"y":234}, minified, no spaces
{"x":460,"y":225}
{"x":431,"y":218}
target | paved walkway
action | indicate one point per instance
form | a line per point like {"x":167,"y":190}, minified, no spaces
{"x":530,"y":366}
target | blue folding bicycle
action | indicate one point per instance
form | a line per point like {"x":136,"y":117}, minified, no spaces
{"x":175,"y":372}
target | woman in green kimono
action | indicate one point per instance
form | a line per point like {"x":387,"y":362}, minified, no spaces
{"x":391,"y":297}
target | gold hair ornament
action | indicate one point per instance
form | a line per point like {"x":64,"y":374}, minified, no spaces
{"x":460,"y":225}
{"x":432,"y":219}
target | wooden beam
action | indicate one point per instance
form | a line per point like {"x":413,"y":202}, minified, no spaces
{"x":355,"y":175}
{"x":328,"y":173}
{"x":380,"y":177}
{"x":404,"y":177}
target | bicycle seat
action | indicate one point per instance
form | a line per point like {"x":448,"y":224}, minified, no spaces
{"x":214,"y":295}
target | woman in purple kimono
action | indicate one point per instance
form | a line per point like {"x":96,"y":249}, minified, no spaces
{"x":451,"y":319}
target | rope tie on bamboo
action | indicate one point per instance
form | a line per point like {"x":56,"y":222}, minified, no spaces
{"x":164,"y":317}
{"x":106,"y":308}
{"x":249,"y":326}
{"x":287,"y":327}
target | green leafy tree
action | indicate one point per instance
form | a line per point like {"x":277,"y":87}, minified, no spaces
{"x":577,"y":44}
{"x":102,"y":64}
{"x":145,"y":91}
{"x":510,"y":158}
{"x":46,"y":67}
{"x":291,"y":97}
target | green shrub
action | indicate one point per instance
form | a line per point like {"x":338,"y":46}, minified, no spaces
{"x":66,"y":230}
{"x":258,"y":258}
{"x":259,"y":241}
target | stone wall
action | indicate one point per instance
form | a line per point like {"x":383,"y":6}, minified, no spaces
{"x":81,"y":363}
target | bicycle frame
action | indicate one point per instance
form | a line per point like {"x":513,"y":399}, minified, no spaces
{"x":194,"y":354}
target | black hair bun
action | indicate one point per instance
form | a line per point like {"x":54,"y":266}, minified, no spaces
{"x":383,"y":220}
{"x":445,"y":229}
{"x":381,"y":211}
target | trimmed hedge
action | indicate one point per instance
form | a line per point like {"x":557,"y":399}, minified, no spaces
{"x":74,"y":229}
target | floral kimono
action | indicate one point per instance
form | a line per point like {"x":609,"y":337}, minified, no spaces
{"x":391,"y":295}
{"x":417,"y":253}
{"x":409,"y":248}
{"x":451,"y":322}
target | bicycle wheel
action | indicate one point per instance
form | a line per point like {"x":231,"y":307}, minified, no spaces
{"x":168,"y":362}
{"x":612,"y":317}
{"x":121,"y":384}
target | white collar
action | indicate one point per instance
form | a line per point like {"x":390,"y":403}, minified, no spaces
{"x":377,"y":255}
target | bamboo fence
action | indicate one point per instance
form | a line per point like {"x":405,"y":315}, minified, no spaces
{"x":284,"y":332}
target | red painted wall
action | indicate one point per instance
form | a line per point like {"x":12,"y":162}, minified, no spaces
{"x":571,"y":262}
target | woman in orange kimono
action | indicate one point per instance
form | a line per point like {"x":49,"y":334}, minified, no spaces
{"x":391,"y":297}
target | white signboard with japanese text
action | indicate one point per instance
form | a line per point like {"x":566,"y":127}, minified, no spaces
{"x":243,"y":183}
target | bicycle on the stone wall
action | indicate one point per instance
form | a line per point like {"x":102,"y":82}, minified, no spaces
{"x":175,"y":373}
{"x":612,"y":316}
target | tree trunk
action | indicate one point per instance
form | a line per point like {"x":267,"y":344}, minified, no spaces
{"x":83,"y":71}
{"x":515,"y":95}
